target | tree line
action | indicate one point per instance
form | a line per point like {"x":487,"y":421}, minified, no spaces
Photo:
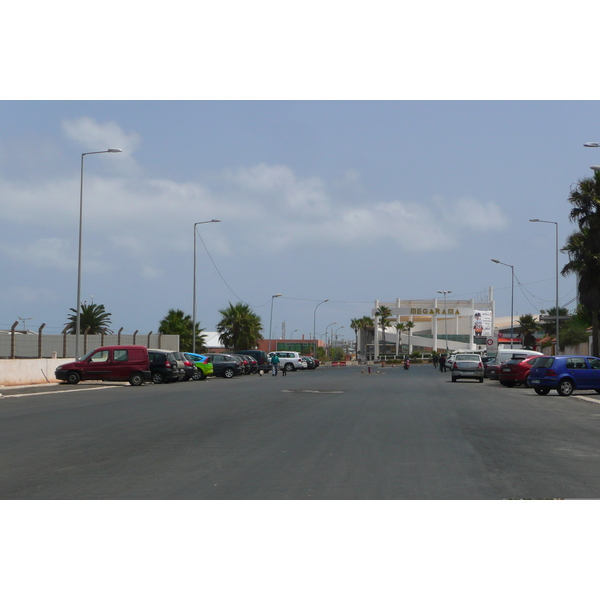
{"x":239,"y":327}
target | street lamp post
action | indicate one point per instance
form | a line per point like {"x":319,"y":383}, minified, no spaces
{"x":271,"y":320}
{"x":512,"y":297}
{"x":445,"y":317}
{"x":194,"y":291}
{"x":557,"y":315}
{"x":78,"y":306}
{"x":292,"y":334}
{"x":315,"y":327}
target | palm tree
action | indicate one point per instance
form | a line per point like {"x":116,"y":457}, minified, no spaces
{"x":583,"y":248}
{"x":400,"y":328}
{"x":355,"y":324}
{"x":176,"y":322}
{"x":527,"y":326}
{"x":384,"y":313}
{"x":93,"y":316}
{"x":240,"y":327}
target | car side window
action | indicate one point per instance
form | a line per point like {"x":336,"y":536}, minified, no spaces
{"x":120,"y":355}
{"x":575,"y":363}
{"x":101,"y":356}
{"x":594,"y":363}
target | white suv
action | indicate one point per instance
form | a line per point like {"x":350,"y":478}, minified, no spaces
{"x":290,"y":361}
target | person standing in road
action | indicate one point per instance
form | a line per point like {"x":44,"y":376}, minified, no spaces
{"x":443,"y":363}
{"x":274,"y":364}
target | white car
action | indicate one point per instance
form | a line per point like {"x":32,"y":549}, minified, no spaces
{"x":290,"y":361}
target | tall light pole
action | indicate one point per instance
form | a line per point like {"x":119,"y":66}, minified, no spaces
{"x":78,"y":317}
{"x":445,"y":316}
{"x":315,"y":327}
{"x":512,"y":297}
{"x":271,"y":320}
{"x":292,"y":334}
{"x":194,"y":292}
{"x":557,"y":315}
{"x":342,"y":327}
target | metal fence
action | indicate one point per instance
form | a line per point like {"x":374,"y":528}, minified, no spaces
{"x":15,"y":344}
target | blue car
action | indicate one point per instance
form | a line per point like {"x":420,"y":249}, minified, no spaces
{"x":564,"y":374}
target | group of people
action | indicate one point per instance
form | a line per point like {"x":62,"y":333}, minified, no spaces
{"x":441,"y":361}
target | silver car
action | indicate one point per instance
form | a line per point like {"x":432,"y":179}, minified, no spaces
{"x":467,"y":366}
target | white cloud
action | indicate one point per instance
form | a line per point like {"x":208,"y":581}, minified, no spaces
{"x":96,"y":137}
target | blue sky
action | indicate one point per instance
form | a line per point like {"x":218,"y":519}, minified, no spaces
{"x":347,"y":200}
{"x":351,"y":156}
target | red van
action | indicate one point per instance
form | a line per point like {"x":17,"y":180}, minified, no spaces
{"x":109,"y":363}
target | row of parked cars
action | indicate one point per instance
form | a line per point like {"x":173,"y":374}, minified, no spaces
{"x":138,"y":364}
{"x":531,"y":369}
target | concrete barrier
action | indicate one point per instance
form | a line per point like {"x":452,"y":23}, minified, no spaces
{"x":29,"y":371}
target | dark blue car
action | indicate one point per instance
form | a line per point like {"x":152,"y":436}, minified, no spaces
{"x":565,"y":374}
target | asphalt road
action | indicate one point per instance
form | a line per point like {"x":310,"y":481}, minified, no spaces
{"x":325,"y":434}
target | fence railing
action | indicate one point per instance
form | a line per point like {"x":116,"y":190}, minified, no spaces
{"x":14,"y":344}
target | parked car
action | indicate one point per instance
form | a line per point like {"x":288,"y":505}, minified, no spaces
{"x":515,"y":371}
{"x":108,"y":363}
{"x":565,"y":374}
{"x":189,"y":368}
{"x":492,"y":367}
{"x":244,"y":363}
{"x":310,"y":362}
{"x":467,"y":366}
{"x":290,"y":361}
{"x":224,"y":365}
{"x":263,"y":360}
{"x":204,"y":367}
{"x":164,"y":366}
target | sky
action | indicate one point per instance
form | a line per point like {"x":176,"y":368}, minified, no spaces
{"x":350,"y":201}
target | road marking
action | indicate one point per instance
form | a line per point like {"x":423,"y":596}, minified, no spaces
{"x":100,"y":387}
{"x":311,"y":392}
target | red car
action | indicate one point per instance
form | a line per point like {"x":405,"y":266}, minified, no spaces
{"x":515,"y":371}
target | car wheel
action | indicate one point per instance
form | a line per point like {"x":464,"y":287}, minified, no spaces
{"x":197,"y":376}
{"x":158,"y":377}
{"x":136,"y":379}
{"x":289,"y":367}
{"x":228,"y":373}
{"x":565,"y":388}
{"x":73,"y":377}
{"x":541,"y":391}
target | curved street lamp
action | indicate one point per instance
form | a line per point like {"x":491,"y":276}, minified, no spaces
{"x":445,"y":317}
{"x":194,"y":292}
{"x":315,"y":327}
{"x":271,"y":320}
{"x":78,"y":305}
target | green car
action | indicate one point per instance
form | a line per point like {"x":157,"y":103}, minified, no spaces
{"x":204,"y":367}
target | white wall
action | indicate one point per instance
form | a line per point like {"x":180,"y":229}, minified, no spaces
{"x":29,"y":371}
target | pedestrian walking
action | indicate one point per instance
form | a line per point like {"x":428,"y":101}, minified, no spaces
{"x":274,"y":364}
{"x":443,"y":363}
{"x":436,"y":360}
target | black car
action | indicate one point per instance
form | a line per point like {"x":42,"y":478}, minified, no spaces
{"x":262,"y":358}
{"x":310,"y":361}
{"x":244,"y":363}
{"x":163,"y":366}
{"x":224,"y":365}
